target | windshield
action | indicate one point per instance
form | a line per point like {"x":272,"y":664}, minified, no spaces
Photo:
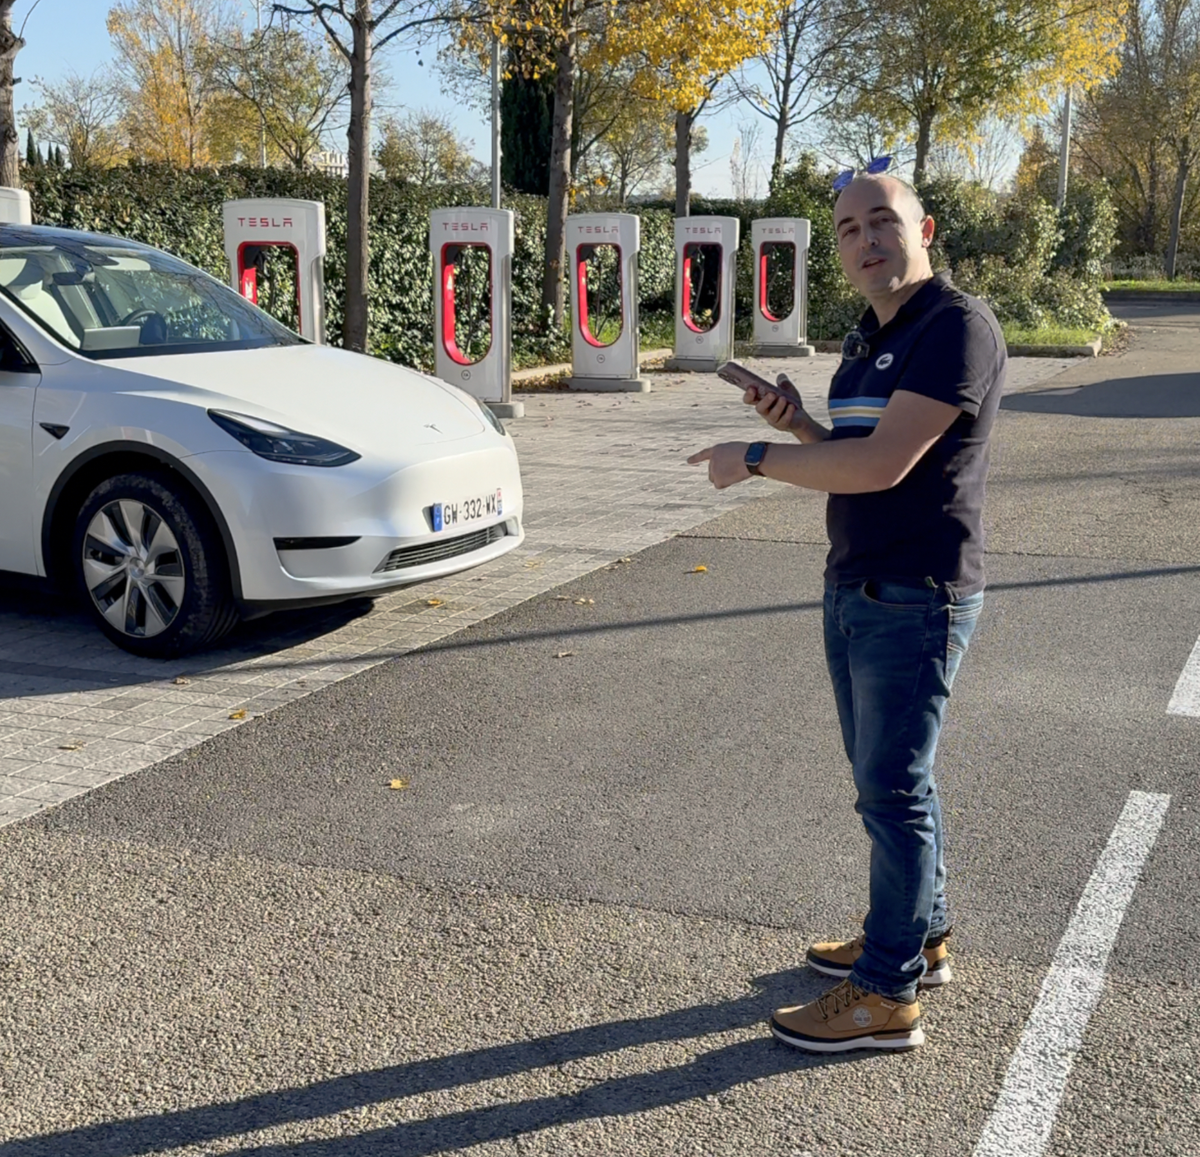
{"x":108,"y":300}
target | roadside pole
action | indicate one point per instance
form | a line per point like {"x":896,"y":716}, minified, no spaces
{"x":1064,"y":153}
{"x":495,"y":122}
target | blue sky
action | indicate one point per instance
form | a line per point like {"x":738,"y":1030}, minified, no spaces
{"x":61,"y":35}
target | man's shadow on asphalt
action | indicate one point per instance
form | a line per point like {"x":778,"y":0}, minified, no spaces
{"x":1153,"y":396}
{"x":708,"y":1074}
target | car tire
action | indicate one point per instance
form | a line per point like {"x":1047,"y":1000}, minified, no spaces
{"x":150,"y":566}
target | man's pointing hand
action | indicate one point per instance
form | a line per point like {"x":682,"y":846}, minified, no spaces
{"x":726,"y":463}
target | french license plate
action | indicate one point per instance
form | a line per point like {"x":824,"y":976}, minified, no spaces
{"x":448,"y":515}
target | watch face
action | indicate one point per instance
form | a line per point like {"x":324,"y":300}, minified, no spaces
{"x":754,"y":454}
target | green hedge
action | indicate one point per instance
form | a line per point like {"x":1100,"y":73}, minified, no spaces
{"x":180,"y":211}
{"x":1035,"y":266}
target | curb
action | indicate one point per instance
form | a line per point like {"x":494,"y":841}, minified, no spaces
{"x":566,"y":369}
{"x":1090,"y":350}
{"x":1150,"y":296}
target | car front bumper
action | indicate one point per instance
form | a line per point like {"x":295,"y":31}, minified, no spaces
{"x":377,"y":524}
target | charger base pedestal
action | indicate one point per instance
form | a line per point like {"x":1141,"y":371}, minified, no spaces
{"x":610,"y":385}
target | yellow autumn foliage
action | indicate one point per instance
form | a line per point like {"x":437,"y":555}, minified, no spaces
{"x":937,"y":69}
{"x":156,"y":43}
{"x":674,"y":48}
{"x":675,"y":54}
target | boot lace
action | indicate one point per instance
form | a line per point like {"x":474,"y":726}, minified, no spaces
{"x":837,"y":999}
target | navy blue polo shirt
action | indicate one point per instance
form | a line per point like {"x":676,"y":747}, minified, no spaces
{"x":946,"y":345}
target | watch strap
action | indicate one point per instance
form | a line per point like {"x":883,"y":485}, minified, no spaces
{"x":755,"y":453}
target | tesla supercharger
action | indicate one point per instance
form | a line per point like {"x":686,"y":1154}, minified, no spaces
{"x":603,"y":251}
{"x":472,"y":303}
{"x":781,"y":287}
{"x":14,"y":207}
{"x":705,"y":281}
{"x":255,"y":226}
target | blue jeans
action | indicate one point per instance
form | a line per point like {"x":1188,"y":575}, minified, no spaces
{"x":893,"y":650}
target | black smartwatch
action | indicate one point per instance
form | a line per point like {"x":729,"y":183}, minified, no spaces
{"x":755,"y":453}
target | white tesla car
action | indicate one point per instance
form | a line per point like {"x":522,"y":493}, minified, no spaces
{"x":184,"y":460}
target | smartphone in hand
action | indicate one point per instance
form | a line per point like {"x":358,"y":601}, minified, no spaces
{"x":745,"y":379}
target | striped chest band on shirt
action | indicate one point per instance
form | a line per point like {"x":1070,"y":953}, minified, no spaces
{"x":856,"y":411}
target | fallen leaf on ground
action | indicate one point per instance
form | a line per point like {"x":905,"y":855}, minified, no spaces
{"x":701,"y":569}
{"x":182,"y":681}
{"x":584,"y":602}
{"x":70,"y":747}
{"x":240,"y":713}
{"x":564,"y":654}
{"x":563,"y":598}
{"x":433,"y":602}
{"x":398,"y":784}
{"x":624,"y":560}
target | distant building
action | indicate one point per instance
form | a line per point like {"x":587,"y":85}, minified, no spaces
{"x":338,"y":164}
{"x":330,"y":163}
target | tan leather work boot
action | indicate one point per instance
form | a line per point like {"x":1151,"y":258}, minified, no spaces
{"x":847,"y":1017}
{"x":836,"y":958}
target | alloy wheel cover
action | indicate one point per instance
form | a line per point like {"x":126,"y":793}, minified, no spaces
{"x":133,"y":568}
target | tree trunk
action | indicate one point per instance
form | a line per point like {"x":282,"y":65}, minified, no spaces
{"x":784,"y":119}
{"x":1177,"y":209}
{"x":553,"y":281}
{"x":1150,"y":239}
{"x":781,"y":128}
{"x":358,"y":156}
{"x":683,"y":164}
{"x":10,"y":45}
{"x":924,"y":140}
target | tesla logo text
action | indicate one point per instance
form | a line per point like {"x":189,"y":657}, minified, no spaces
{"x":265,"y":222}
{"x":599,"y":229}
{"x":787,"y":232}
{"x":466,"y":226}
{"x":700,"y":229}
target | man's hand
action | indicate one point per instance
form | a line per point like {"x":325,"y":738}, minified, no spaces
{"x":776,"y":408}
{"x":726,"y":463}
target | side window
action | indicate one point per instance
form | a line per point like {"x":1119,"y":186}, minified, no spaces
{"x":13,"y":357}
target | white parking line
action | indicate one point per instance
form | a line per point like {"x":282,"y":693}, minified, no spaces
{"x":1186,"y":699}
{"x":1020,"y":1123}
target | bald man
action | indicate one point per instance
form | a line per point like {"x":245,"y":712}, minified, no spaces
{"x":905,"y":464}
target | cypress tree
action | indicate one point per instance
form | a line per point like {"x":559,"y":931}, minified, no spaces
{"x":59,"y":163}
{"x":31,"y":153}
{"x":526,"y":121}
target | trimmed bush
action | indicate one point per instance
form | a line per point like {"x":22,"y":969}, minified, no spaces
{"x":1036,"y":267}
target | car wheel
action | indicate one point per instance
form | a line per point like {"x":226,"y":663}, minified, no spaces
{"x":151,"y":566}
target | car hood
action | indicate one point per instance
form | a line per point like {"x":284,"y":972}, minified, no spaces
{"x":362,"y":402}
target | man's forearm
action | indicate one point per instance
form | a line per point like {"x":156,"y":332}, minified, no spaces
{"x":848,"y":466}
{"x":807,"y":430}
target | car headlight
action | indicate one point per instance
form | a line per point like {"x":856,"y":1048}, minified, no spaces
{"x":279,"y":444}
{"x":491,"y":418}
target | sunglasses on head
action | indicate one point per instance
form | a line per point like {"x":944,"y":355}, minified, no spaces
{"x":874,"y":166}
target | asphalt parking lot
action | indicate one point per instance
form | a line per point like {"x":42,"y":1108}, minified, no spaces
{"x":530,"y":883}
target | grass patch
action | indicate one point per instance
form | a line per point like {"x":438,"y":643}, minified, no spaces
{"x":1047,"y":335}
{"x":1160,"y":286}
{"x":656,"y":330}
